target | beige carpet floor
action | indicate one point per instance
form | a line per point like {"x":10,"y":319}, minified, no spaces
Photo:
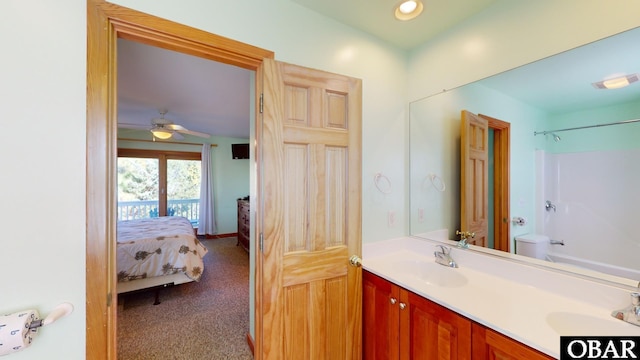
{"x":204,"y":320}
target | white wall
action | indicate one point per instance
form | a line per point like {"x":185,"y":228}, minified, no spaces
{"x":42,"y":168}
{"x":43,"y":88}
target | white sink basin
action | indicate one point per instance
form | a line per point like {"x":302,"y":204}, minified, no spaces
{"x":575,"y":324}
{"x":431,"y":273}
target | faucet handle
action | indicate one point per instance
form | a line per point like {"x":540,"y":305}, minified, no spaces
{"x":635,"y":298}
{"x":443,"y":249}
{"x":465,"y":234}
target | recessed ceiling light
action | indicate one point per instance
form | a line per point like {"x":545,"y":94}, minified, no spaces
{"x":408,"y":9}
{"x":616,"y":83}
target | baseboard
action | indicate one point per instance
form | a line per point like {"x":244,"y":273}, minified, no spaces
{"x":250,"y":343}
{"x":220,"y":236}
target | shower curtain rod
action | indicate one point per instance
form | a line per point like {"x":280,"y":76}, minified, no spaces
{"x":586,"y":127}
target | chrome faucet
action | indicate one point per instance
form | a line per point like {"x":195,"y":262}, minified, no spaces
{"x":443,"y":256}
{"x":548,"y":206}
{"x":631,"y":313}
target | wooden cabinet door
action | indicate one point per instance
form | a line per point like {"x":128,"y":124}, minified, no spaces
{"x":489,"y":344}
{"x":431,"y":331}
{"x":379,"y":318}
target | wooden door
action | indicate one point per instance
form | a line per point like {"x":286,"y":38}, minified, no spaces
{"x":474,"y":176}
{"x":431,"y":331}
{"x":380,"y":311}
{"x":310,"y":181}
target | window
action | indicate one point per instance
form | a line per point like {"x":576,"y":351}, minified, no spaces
{"x":158,"y":183}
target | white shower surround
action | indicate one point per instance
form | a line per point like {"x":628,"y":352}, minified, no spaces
{"x":597,"y":199}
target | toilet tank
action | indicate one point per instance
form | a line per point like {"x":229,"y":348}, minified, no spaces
{"x":532,"y":245}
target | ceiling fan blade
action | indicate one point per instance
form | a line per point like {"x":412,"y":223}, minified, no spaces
{"x":133,"y":126}
{"x":195,"y":133}
{"x":177,"y":136}
{"x":175,"y":127}
{"x":184,"y":130}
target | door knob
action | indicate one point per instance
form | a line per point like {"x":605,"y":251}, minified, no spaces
{"x":355,"y":261}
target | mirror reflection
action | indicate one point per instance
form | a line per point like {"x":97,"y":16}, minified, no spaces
{"x":541,"y":161}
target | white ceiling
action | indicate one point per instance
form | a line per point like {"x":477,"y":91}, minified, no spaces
{"x":199,"y":94}
{"x":211,"y":97}
{"x":376,"y":17}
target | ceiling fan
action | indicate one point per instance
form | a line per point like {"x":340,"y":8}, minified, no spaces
{"x":164,"y":129}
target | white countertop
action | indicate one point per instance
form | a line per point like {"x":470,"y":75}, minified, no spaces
{"x":532,"y":305}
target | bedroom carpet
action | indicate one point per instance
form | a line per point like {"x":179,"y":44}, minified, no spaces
{"x":204,"y":320}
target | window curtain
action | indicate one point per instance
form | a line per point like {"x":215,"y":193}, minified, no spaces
{"x":207,"y":221}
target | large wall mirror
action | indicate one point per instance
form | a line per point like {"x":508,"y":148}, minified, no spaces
{"x":573,"y":167}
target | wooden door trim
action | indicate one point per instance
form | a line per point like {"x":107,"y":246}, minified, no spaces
{"x":105,"y":24}
{"x":501,"y":197}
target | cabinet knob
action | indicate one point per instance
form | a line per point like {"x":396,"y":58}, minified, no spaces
{"x":393,"y":301}
{"x":402,"y":306}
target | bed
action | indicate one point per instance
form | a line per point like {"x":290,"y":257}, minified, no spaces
{"x":156,"y":252}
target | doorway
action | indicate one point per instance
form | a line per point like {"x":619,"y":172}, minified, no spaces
{"x":501,"y":131}
{"x":101,"y":140}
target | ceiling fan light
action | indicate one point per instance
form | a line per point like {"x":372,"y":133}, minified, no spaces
{"x":161,"y":134}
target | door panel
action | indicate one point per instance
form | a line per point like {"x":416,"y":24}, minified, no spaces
{"x":474,"y":174}
{"x":311,"y":212}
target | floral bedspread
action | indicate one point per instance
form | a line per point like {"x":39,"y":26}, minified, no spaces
{"x":158,"y":246}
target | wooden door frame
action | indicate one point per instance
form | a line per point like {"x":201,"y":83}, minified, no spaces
{"x":501,"y":198}
{"x":105,"y":24}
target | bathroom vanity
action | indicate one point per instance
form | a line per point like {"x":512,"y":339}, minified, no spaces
{"x":486,"y":308}
{"x":399,"y":324}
